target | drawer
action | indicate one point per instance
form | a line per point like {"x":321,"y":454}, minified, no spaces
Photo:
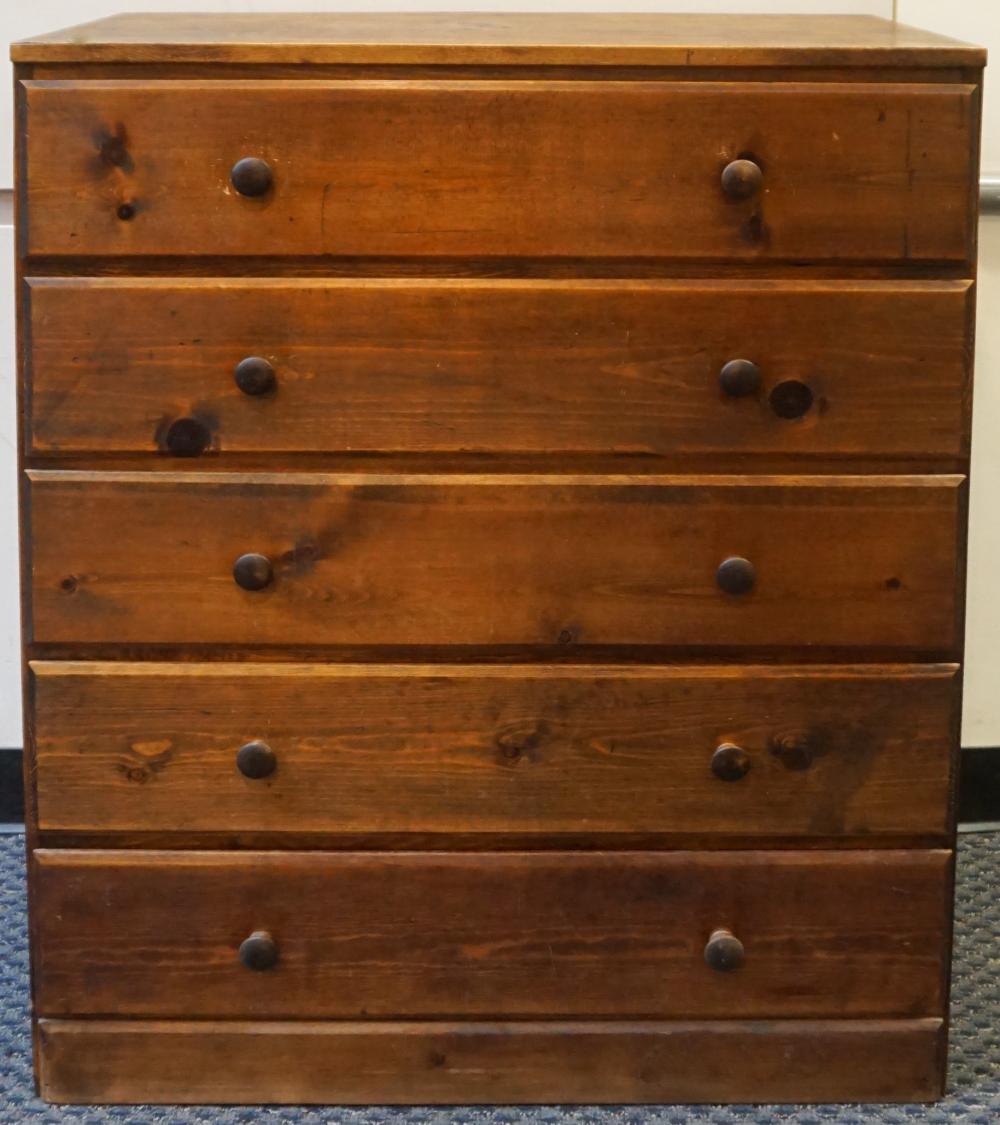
{"x":483,"y":751}
{"x":410,"y":1062}
{"x":851,"y":172}
{"x":530,"y":934}
{"x":862,"y":368}
{"x":495,"y":560}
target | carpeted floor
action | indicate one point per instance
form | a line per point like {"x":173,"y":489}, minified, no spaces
{"x":974,"y":1087}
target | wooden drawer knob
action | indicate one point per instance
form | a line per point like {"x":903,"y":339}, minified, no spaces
{"x":724,"y":952}
{"x":187,"y":437}
{"x":259,"y":951}
{"x":730,"y":762}
{"x":256,"y":760}
{"x":253,"y":572}
{"x":255,"y":376}
{"x":736,"y":575}
{"x":739,"y":377}
{"x":251,"y":176}
{"x":741,"y":179}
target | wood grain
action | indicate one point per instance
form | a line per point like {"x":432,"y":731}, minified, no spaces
{"x":495,"y":560}
{"x":511,"y":367}
{"x":486,"y":935}
{"x":516,"y":39}
{"x":544,"y":750}
{"x":379,"y":1063}
{"x":854,"y":172}
{"x":496,"y":275}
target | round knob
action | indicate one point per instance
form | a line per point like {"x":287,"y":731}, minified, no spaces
{"x":251,"y":176}
{"x":187,"y":437}
{"x":730,"y":762}
{"x":736,"y":575}
{"x":255,"y":376}
{"x":739,"y":377}
{"x":791,"y":399}
{"x":256,"y":760}
{"x":741,"y":179}
{"x":724,"y":952}
{"x":259,"y":951}
{"x":253,"y":572}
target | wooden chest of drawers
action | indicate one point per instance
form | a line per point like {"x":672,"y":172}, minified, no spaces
{"x":494,"y":515}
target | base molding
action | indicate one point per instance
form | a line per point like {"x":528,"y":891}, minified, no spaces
{"x":399,"y":1063}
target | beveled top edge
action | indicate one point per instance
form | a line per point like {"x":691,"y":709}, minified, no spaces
{"x":509,"y":39}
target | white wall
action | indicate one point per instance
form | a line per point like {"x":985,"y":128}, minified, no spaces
{"x":978,"y":21}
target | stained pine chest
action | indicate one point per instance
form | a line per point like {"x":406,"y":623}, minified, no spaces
{"x":493,"y":506}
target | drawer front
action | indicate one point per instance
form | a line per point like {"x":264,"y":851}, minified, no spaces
{"x":371,"y":1062}
{"x":498,"y":366}
{"x":411,"y":560}
{"x":532,"y":934}
{"x":541,"y":750}
{"x":457,"y":168}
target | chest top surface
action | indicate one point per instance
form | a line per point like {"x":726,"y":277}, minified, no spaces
{"x":509,"y":39}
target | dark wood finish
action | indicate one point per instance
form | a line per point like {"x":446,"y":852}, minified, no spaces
{"x":259,"y":952}
{"x":253,"y":572}
{"x":742,"y":179}
{"x":488,"y":38}
{"x":491,"y":935}
{"x":736,"y":576}
{"x":256,"y":760}
{"x":739,"y":378}
{"x":498,"y":366}
{"x":493,"y":560}
{"x":731,"y":762}
{"x":495,"y":749}
{"x":449,"y":298}
{"x":252,"y":177}
{"x":419,"y":1063}
{"x":854,"y":172}
{"x":724,"y":952}
{"x":255,"y":376}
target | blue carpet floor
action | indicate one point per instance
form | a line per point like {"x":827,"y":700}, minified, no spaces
{"x":974,"y":1083}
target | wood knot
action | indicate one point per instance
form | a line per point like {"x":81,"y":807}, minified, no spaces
{"x":113,"y":148}
{"x":520,"y":740}
{"x":794,"y":751}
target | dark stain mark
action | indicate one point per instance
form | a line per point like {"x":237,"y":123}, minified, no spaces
{"x":754,"y":230}
{"x":301,"y":558}
{"x":113,"y":148}
{"x":436,"y":1060}
{"x":852,"y":751}
{"x":200,"y":432}
{"x":798,"y":751}
{"x":126,"y":211}
{"x":881,"y":116}
{"x":893,"y":583}
{"x":187,"y":437}
{"x":567,"y":636}
{"x":70,"y":583}
{"x":747,"y":154}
